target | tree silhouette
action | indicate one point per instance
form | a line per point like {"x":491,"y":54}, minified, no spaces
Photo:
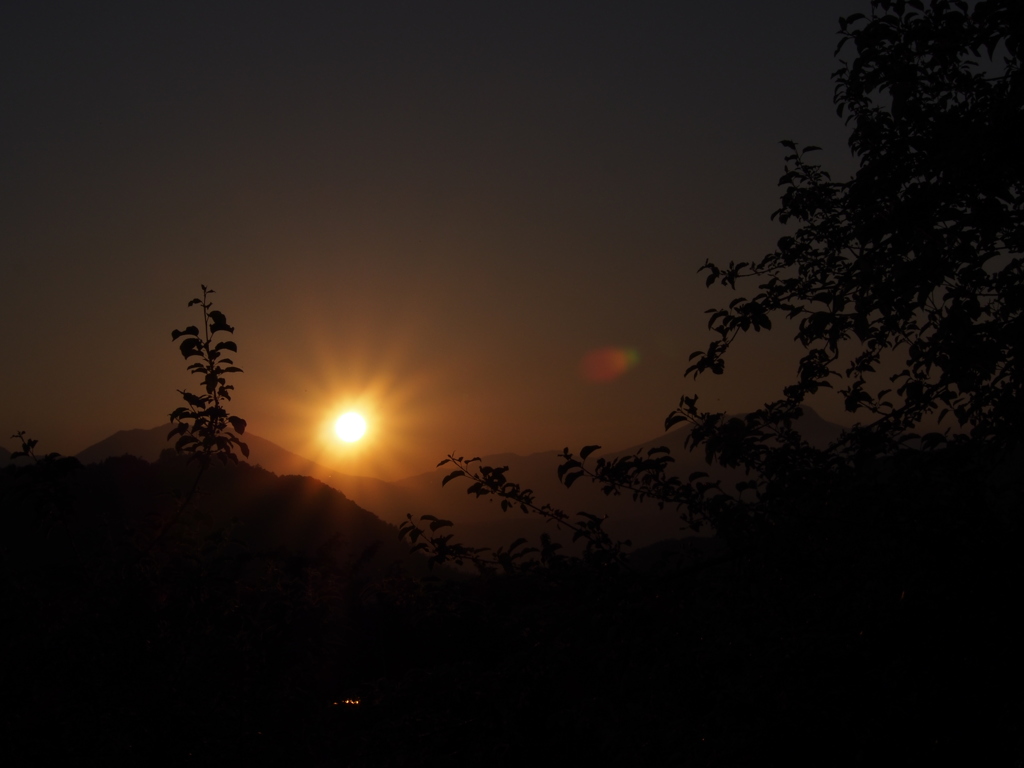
{"x":202,"y":424}
{"x":906,"y":280}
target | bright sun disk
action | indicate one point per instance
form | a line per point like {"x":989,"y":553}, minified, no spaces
{"x":350,"y":426}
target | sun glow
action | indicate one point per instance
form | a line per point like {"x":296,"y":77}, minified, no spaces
{"x":350,"y":426}
{"x":383,"y":387}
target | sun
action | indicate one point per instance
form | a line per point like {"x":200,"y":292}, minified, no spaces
{"x":350,"y":426}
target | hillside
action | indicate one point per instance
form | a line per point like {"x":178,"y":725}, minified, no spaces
{"x":237,"y":630}
{"x":124,"y":503}
{"x":479,"y":521}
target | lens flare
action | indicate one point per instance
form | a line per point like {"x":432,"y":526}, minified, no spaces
{"x":608,"y":363}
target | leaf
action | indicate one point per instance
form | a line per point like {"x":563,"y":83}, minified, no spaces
{"x":672,"y":419}
{"x":190,"y":347}
{"x":568,"y":480}
{"x":587,"y":450}
{"x":451,"y":476}
{"x":238,"y":424}
{"x":440,"y":524}
{"x":196,"y":401}
{"x":219,"y":323}
{"x":190,"y":331}
{"x":184,"y":441}
{"x":568,"y":465}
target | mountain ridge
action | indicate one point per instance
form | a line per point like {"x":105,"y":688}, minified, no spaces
{"x":479,"y":521}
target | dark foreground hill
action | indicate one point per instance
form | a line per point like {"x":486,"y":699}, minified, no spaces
{"x":881,"y":629}
{"x":127,"y":505}
{"x":144,"y":622}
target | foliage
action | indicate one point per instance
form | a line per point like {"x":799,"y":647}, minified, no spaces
{"x":28,"y":446}
{"x":200,"y":645}
{"x":599,"y":548}
{"x":906,"y":282}
{"x":910,"y":270}
{"x":202,"y":424}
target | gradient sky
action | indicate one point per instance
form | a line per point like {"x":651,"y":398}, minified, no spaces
{"x":439,"y":213}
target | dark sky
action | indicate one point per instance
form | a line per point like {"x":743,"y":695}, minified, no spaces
{"x":433,"y":212}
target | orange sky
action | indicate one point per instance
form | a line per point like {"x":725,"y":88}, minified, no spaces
{"x":431,"y":214}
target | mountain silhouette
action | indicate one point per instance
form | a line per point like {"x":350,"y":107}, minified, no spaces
{"x":480,"y":521}
{"x":148,"y":444}
{"x":123,"y":500}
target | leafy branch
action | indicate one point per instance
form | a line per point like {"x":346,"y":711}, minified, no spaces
{"x":202,"y":424}
{"x":909,"y":271}
{"x":28,"y":448}
{"x":599,"y":547}
{"x":642,"y":476}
